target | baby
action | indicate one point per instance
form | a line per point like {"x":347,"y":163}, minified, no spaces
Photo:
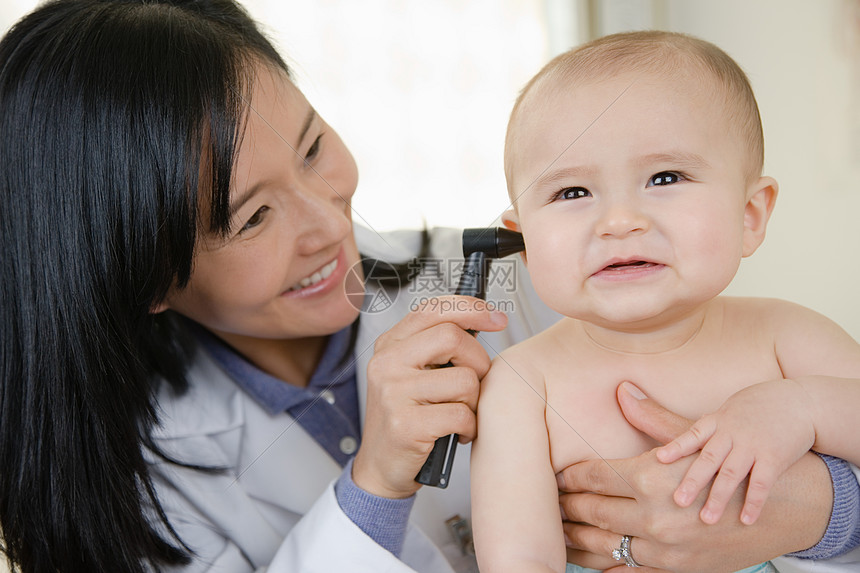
{"x":634,"y":168}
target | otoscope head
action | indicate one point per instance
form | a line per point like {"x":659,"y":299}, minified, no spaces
{"x":494,"y":242}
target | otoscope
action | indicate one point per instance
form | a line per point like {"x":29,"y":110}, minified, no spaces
{"x":480,"y":246}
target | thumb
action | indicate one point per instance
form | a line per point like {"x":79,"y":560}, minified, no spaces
{"x":648,"y":416}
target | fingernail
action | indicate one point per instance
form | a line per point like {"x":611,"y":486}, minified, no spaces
{"x":559,"y":480}
{"x":499,"y":317}
{"x":633,"y":390}
{"x":563,"y":514}
{"x":746,"y":518}
{"x":707,"y":516}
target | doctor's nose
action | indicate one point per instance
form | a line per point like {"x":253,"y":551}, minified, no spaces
{"x":621,"y":217}
{"x":323,"y":218}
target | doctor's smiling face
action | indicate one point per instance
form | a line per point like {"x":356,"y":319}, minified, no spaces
{"x":647,"y":214}
{"x":280,"y":271}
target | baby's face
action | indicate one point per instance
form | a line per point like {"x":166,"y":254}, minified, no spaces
{"x":631,"y":195}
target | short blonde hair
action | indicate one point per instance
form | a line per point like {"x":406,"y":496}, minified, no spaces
{"x":660,"y":52}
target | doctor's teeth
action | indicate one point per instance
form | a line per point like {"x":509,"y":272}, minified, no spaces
{"x":317,"y":276}
{"x":329,"y":268}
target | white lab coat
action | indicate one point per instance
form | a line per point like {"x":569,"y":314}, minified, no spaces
{"x":281,"y":511}
{"x":274,"y":508}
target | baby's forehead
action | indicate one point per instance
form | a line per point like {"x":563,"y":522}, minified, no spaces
{"x":571,"y":102}
{"x":689,"y":81}
{"x":593,"y":90}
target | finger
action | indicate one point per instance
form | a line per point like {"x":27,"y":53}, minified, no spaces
{"x":607,"y":513}
{"x":703,"y":470}
{"x":648,"y":416}
{"x":592,"y":547}
{"x":434,"y":346}
{"x":731,"y":474}
{"x":689,"y":442}
{"x":762,"y":478}
{"x":589,"y":546}
{"x":444,"y":419}
{"x":434,"y":403}
{"x":416,"y":428}
{"x":597,"y":476}
{"x":443,"y":385}
{"x":589,"y":560}
{"x":467,"y":312}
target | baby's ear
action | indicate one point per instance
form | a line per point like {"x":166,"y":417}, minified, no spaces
{"x":511,"y":221}
{"x":762,"y":198}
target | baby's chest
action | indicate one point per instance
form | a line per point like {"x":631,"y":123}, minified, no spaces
{"x":583,"y":417}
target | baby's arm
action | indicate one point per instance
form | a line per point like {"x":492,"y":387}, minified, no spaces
{"x":765,"y":428}
{"x":761,"y":431}
{"x":516,"y":516}
{"x":835,"y":406}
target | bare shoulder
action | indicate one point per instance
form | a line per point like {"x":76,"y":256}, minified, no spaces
{"x":781,"y":316}
{"x":806,"y":342}
{"x":762,"y":307}
{"x":540,"y":345}
{"x":526,"y":361}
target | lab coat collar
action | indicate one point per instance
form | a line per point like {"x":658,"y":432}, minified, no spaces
{"x":215,"y":424}
{"x":212,"y":404}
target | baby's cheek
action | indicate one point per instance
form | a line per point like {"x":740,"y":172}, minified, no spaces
{"x":552,"y":282}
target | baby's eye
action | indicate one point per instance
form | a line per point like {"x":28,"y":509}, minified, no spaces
{"x":664,"y":178}
{"x":574,"y":193}
{"x":255,"y":219}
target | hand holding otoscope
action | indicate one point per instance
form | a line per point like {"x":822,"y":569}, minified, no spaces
{"x":480,"y":246}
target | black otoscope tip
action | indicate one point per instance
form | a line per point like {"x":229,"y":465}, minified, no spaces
{"x":495,"y":242}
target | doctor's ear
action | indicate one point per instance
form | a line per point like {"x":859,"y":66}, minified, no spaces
{"x":761,"y":200}
{"x":159,"y":308}
{"x":511,"y":221}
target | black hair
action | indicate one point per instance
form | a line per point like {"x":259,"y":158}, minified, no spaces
{"x":113,"y":115}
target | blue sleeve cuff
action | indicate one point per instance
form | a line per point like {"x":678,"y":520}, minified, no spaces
{"x":383,"y":519}
{"x":843,"y":531}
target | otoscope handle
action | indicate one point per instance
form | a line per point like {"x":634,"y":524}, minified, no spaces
{"x":436,"y":471}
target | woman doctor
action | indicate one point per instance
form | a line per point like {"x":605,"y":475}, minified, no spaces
{"x":187,"y":383}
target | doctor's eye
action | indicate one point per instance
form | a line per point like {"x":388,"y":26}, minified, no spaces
{"x":255,"y":219}
{"x":664,"y":178}
{"x":313,"y":150}
{"x":573,"y":193}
